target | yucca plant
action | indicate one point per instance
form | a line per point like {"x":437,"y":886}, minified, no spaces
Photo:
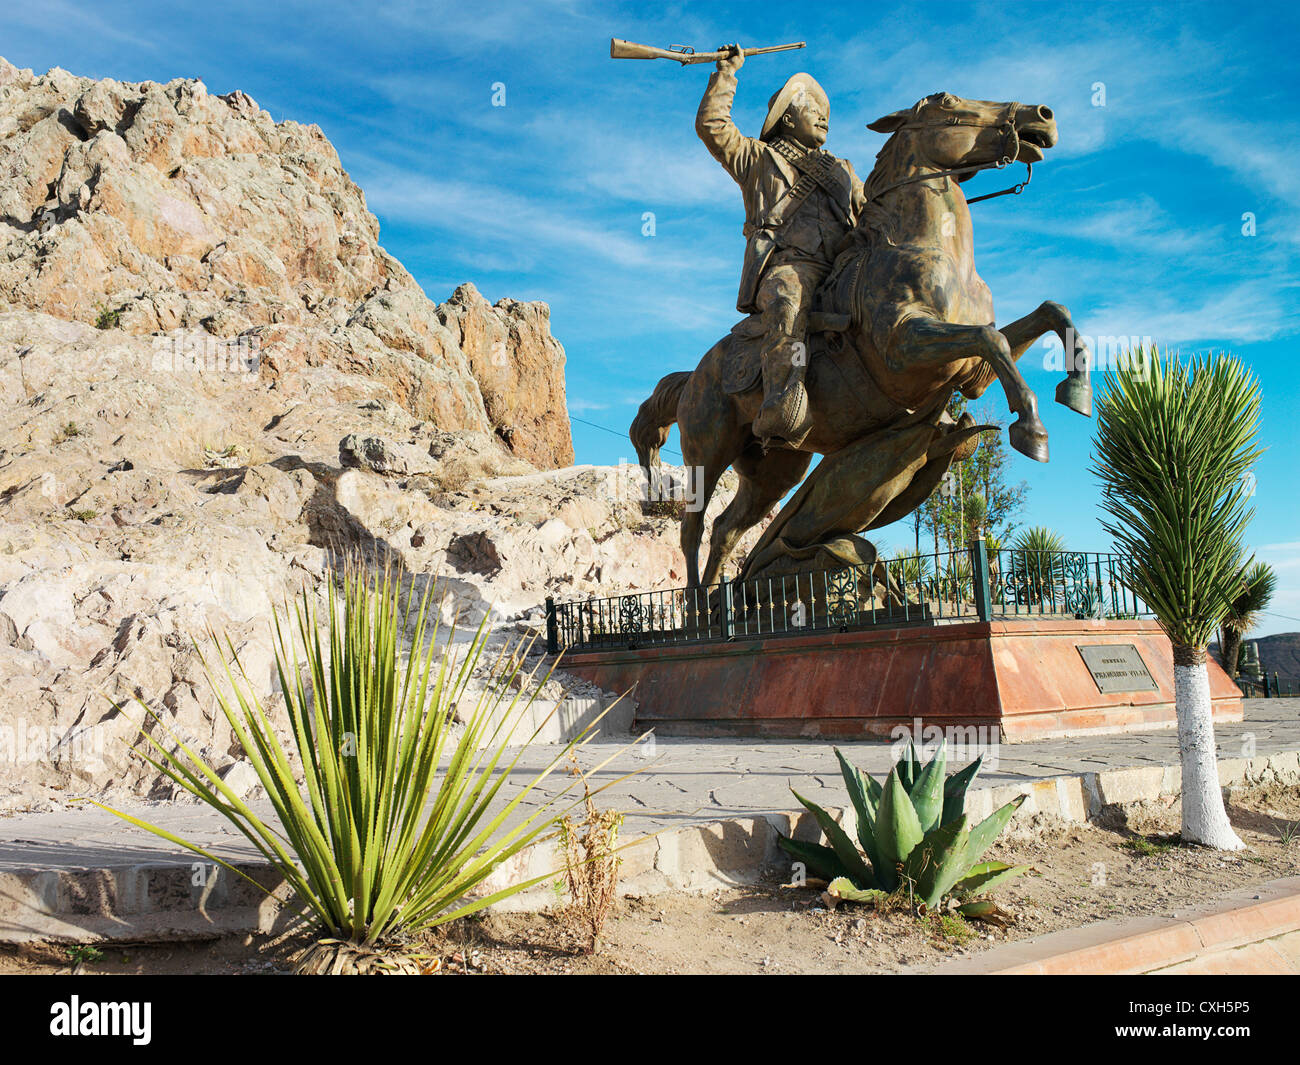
{"x":1038,"y":566}
{"x":1175,"y":445}
{"x":911,"y":571}
{"x":1041,"y":540}
{"x":955,"y":581}
{"x":1255,"y":591}
{"x":393,"y":830}
{"x":913,"y":835}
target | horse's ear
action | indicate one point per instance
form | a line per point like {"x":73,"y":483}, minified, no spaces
{"x":890,"y":123}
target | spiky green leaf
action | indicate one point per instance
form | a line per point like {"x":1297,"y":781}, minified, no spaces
{"x":857,"y":869}
{"x":954,"y":790}
{"x":819,"y":860}
{"x":938,"y":861}
{"x":985,"y":876}
{"x":983,"y":834}
{"x":898,"y":830}
{"x":927,"y":792}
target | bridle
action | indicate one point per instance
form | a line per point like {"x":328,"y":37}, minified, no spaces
{"x":1010,"y":149}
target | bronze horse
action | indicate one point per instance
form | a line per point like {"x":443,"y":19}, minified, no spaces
{"x":918,"y":325}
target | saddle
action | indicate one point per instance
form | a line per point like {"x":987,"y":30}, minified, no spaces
{"x":832,"y":312}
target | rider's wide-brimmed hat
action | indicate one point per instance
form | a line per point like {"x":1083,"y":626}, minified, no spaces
{"x":782,"y":99}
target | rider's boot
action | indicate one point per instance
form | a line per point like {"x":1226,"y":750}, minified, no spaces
{"x":784,"y":420}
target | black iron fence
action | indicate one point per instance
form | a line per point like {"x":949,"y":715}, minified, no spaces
{"x":1266,"y":687}
{"x":964,"y":585}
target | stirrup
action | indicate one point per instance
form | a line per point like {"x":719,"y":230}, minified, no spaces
{"x":792,"y":433}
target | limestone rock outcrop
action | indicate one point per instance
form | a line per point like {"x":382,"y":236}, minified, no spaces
{"x":214,"y":383}
{"x":153,"y":208}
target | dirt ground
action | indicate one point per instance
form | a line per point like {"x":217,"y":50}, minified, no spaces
{"x":1080,"y":873}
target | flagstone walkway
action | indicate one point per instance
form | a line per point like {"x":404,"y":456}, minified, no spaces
{"x":675,"y":783}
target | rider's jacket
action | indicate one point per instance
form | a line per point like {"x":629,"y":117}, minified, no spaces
{"x":795,"y":199}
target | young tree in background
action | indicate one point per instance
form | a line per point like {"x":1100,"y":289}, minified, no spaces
{"x":982,"y":502}
{"x":989,"y":467}
{"x":1255,"y":590}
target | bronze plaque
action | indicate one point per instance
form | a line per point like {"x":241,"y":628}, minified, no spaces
{"x":1117,"y":667}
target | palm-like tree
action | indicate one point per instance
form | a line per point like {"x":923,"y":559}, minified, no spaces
{"x":1175,"y":444}
{"x":1040,"y":538}
{"x":1038,"y":565}
{"x":1255,"y":590}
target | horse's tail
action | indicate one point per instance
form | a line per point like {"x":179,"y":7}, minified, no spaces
{"x":656,"y":416}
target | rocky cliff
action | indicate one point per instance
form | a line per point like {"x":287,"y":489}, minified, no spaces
{"x":148,"y":209}
{"x":213,"y":380}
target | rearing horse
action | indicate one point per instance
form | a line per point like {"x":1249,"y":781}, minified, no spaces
{"x":920,"y":326}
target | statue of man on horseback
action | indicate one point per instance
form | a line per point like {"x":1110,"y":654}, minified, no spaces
{"x":865,"y":315}
{"x":800,"y":202}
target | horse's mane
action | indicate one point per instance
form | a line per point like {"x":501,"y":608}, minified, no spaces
{"x":875,"y":219}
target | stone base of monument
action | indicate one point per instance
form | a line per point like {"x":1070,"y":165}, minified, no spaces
{"x":1024,"y":678}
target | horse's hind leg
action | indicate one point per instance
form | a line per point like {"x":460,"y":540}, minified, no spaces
{"x":922,"y":341}
{"x":702,"y":478}
{"x":764,"y":479}
{"x":712,"y":436}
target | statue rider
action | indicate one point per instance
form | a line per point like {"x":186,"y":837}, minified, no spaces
{"x":800,"y":201}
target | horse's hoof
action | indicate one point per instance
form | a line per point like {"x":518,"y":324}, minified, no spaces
{"x":1076,"y":394}
{"x":1029,"y":438}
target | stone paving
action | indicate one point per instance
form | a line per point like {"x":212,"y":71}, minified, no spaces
{"x":682,"y":782}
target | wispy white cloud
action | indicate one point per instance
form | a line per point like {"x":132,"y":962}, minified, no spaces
{"x":1138,"y":226}
{"x":533,"y":226}
{"x":1238,"y":314}
{"x":645,"y":166}
{"x":89,"y":18}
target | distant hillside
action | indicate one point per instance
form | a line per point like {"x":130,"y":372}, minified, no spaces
{"x":1279,"y":654}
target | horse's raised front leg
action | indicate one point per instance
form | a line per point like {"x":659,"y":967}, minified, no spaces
{"x":1075,"y":391}
{"x":920,"y":341}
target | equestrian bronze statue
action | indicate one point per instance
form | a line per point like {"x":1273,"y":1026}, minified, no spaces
{"x":865,"y":315}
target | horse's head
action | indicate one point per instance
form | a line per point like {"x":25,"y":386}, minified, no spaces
{"x":947,"y":132}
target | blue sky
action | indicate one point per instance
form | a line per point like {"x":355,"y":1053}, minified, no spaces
{"x":1134,"y":221}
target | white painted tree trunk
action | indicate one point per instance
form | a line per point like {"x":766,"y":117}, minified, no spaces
{"x":1205,"y":820}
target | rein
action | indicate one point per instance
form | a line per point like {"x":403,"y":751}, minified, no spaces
{"x":1010,"y":149}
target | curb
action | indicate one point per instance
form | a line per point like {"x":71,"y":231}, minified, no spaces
{"x":1228,"y":936}
{"x":179,"y":900}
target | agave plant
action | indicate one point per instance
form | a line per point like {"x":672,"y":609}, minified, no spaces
{"x":394,"y":829}
{"x":913,"y":836}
